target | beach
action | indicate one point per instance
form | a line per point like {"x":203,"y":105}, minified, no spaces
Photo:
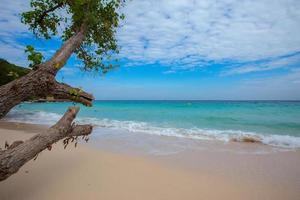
{"x":92,"y":172}
{"x":149,"y":100}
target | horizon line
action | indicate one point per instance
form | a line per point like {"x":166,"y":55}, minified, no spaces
{"x":193,"y":100}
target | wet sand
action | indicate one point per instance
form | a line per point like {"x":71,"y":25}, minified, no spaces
{"x":104,"y":169}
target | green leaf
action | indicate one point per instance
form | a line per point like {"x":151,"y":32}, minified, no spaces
{"x":34,"y":57}
{"x":99,"y":49}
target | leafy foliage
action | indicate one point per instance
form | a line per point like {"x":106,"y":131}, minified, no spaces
{"x":98,"y":18}
{"x":35,"y":57}
{"x":9,"y":72}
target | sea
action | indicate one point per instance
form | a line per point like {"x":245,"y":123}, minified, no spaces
{"x":274,"y":123}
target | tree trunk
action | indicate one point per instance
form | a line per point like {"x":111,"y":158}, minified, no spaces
{"x":63,"y":54}
{"x":41,"y":82}
{"x":17,"y":154}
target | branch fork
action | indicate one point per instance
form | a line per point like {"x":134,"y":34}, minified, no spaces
{"x":17,"y":154}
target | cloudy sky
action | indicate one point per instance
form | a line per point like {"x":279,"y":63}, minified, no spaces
{"x":185,"y":49}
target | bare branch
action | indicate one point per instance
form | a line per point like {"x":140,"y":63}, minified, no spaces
{"x":64,"y":91}
{"x":81,"y":130}
{"x":12,"y":159}
{"x":15,"y":144}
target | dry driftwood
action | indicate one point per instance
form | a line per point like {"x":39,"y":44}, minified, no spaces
{"x":17,"y":154}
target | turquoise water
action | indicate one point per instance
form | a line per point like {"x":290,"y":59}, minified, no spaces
{"x":274,"y":122}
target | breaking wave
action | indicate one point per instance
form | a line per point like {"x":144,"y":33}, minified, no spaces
{"x":40,"y":117}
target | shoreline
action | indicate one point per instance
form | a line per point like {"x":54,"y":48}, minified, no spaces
{"x":251,"y":144}
{"x":106,"y":173}
{"x":276,"y":139}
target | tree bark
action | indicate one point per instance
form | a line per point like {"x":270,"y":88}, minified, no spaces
{"x":41,"y":82}
{"x":17,"y":154}
{"x":63,"y":54}
{"x":38,"y":83}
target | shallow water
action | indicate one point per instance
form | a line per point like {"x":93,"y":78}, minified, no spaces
{"x":275,"y":123}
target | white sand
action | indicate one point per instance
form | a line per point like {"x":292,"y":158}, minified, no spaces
{"x":88,"y":173}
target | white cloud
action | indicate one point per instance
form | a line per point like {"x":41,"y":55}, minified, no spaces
{"x":187,"y":33}
{"x":285,"y":62}
{"x":10,"y":28}
{"x":190,"y":32}
{"x":169,"y":72}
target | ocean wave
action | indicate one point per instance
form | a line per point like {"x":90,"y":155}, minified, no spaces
{"x":32,"y":117}
{"x":41,"y":117}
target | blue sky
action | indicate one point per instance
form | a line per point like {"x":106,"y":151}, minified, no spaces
{"x":185,"y":49}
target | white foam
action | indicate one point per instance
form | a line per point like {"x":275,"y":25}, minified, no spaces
{"x":41,"y":117}
{"x":32,"y":117}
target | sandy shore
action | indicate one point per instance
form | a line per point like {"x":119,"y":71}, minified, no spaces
{"x":86,"y":172}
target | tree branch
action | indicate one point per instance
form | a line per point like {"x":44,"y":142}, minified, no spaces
{"x":15,"y":144}
{"x":12,"y":159}
{"x":45,"y":13}
{"x":63,"y":54}
{"x":81,"y":130}
{"x":64,"y":91}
